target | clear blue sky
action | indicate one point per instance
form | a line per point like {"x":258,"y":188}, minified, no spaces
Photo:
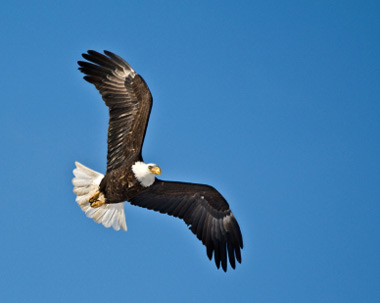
{"x":275,"y":103}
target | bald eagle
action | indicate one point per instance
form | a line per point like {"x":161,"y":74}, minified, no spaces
{"x":129,"y":178}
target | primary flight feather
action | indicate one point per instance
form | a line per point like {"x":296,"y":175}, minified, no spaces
{"x":129,"y":178}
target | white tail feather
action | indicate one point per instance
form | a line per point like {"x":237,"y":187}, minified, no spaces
{"x":86,"y":182}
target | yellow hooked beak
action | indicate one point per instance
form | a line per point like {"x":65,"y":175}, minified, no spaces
{"x":156,"y":170}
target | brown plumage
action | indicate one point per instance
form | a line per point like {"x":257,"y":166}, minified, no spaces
{"x":201,"y":206}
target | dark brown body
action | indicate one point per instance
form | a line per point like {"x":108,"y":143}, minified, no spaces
{"x":120,"y":185}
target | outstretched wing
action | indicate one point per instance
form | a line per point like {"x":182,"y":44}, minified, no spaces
{"x":129,"y":101}
{"x":204,"y":209}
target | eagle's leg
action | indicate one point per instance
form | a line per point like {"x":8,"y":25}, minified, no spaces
{"x":94,"y":200}
{"x":94,"y":197}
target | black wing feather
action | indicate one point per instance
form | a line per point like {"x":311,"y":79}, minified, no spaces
{"x":206,"y":212}
{"x":129,"y":101}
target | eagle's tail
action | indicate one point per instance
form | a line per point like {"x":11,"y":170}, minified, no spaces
{"x":86,"y":182}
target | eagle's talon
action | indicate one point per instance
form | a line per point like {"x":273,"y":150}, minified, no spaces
{"x":94,"y":197}
{"x":97,"y":204}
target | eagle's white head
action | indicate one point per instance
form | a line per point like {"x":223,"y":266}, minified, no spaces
{"x":145,"y":173}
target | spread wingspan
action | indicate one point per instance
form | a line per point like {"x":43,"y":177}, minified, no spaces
{"x":202,"y":207}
